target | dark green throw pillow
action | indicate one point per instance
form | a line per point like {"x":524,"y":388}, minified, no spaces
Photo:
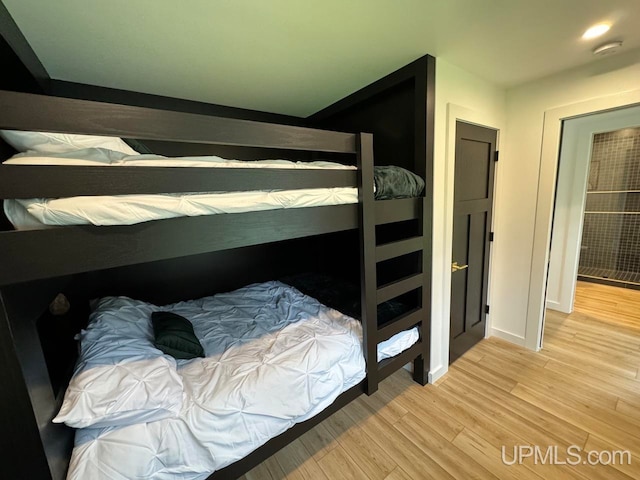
{"x":174,"y":336}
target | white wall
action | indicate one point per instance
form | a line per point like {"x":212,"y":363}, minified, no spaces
{"x":517,"y":278}
{"x":459,"y":95}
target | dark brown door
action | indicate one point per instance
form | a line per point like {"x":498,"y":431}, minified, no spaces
{"x":473,"y":199}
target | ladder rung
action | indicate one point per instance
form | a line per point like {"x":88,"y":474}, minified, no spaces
{"x":398,"y":324}
{"x":390,"y":250}
{"x":398,"y":210}
{"x":391,"y":365}
{"x":395,"y":289}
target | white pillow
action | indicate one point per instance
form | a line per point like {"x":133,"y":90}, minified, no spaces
{"x":46,"y":142}
{"x":120,"y":377}
{"x":132,"y":391}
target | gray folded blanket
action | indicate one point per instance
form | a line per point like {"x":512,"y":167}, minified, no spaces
{"x":396,"y":182}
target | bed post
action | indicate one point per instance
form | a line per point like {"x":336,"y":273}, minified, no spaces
{"x":38,"y":448}
{"x":22,"y":448}
{"x":368,"y":286}
{"x":425,"y":79}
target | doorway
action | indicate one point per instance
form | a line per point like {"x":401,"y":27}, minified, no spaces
{"x":554,"y":119}
{"x":587,"y":200}
{"x":473,"y":204}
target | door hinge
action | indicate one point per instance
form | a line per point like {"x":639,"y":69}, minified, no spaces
{"x":491,"y":236}
{"x":496,"y":156}
{"x":486,"y":309}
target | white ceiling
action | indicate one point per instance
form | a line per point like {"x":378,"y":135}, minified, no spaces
{"x":297,"y":56}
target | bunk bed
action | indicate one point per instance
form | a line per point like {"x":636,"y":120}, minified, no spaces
{"x":39,"y":264}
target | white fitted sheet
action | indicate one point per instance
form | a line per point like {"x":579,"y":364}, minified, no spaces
{"x":33,"y":213}
{"x":274,"y":357}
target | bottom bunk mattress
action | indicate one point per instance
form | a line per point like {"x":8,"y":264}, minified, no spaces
{"x":274,"y":357}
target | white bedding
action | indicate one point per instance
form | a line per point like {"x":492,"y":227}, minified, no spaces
{"x":33,"y":213}
{"x":274,"y":357}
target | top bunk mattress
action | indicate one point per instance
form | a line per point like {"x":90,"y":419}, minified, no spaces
{"x":37,"y":213}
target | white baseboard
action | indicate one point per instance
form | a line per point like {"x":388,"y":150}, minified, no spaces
{"x":437,"y":373}
{"x":557,"y":306}
{"x":509,"y":337}
{"x":553,"y":305}
{"x":433,"y":375}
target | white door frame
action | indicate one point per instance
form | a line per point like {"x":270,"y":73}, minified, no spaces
{"x":568,"y":219}
{"x":546,"y":192}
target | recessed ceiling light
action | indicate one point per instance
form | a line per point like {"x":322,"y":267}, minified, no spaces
{"x":596,"y":31}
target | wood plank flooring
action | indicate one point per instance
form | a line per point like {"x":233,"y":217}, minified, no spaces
{"x":582,"y":389}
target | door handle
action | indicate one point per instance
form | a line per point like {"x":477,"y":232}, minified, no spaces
{"x":455,"y":267}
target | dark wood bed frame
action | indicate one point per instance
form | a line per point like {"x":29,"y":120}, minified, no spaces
{"x":37,"y":265}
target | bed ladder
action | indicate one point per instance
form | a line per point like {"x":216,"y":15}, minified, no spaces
{"x":380,"y":212}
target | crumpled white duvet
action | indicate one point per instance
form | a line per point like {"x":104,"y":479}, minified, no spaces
{"x":274,"y":357}
{"x":130,"y":209}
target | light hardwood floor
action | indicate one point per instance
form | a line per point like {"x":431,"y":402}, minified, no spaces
{"x":582,"y":389}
